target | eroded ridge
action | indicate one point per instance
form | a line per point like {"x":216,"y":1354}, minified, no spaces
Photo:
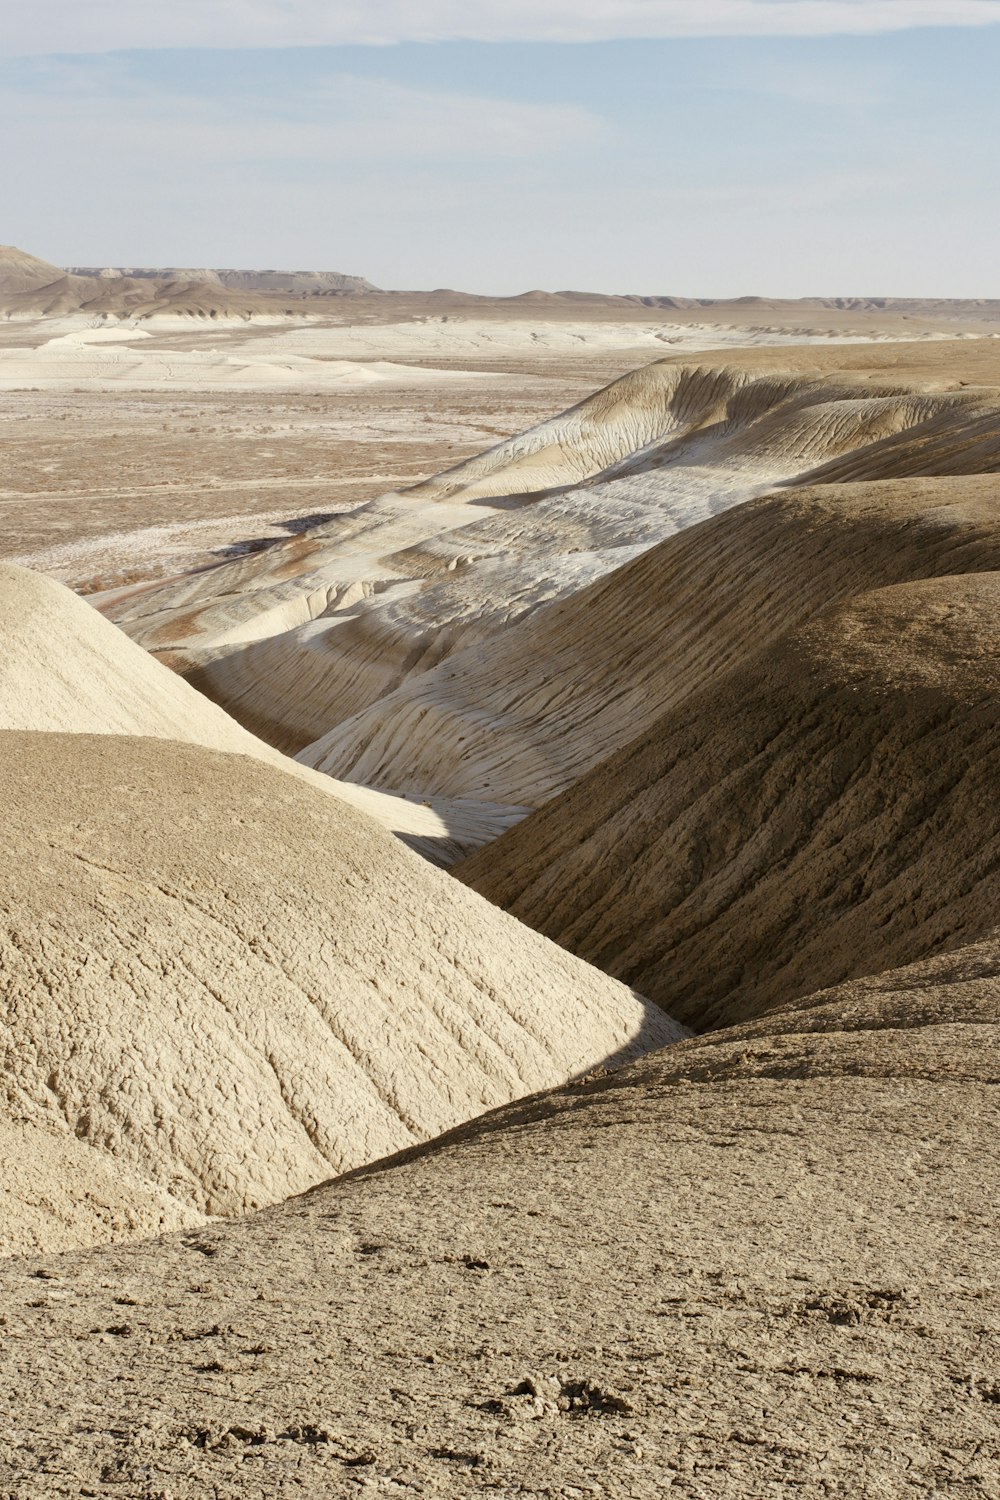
{"x":320,"y":644}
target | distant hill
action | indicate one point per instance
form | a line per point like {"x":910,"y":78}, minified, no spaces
{"x":33,"y":288}
{"x":300,"y":283}
{"x":20,"y":271}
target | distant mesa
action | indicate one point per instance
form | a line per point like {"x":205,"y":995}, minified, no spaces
{"x":299,"y":283}
{"x":33,"y":288}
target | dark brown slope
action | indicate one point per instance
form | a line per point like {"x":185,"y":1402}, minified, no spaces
{"x":828,"y":810}
{"x":758,"y":1263}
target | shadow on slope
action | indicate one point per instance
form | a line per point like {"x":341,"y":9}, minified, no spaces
{"x":826,"y":810}
{"x":520,"y":718}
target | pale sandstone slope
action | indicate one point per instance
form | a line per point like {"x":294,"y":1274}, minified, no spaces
{"x":518,"y":719}
{"x":64,"y":668}
{"x":226,"y":985}
{"x":296,"y":639}
{"x":760,"y":1262}
{"x":827,"y":810}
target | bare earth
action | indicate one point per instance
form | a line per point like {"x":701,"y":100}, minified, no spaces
{"x":755,"y":1265}
{"x":100,"y":487}
{"x":717,"y":646}
{"x":137,"y":443}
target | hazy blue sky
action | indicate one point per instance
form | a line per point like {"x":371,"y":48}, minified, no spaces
{"x":829,"y":146}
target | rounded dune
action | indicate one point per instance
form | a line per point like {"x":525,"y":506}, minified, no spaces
{"x":232,"y":986}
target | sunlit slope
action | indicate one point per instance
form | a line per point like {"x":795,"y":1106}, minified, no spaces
{"x":299,"y":638}
{"x":64,"y":668}
{"x":767,"y":1256}
{"x":519,"y":718}
{"x":232,"y":985}
{"x":826,"y":810}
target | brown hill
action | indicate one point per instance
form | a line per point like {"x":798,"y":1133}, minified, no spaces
{"x":824,"y":811}
{"x":20,"y":271}
{"x":32,"y":288}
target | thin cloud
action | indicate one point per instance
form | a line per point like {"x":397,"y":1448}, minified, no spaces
{"x":109,"y":114}
{"x":67,"y":26}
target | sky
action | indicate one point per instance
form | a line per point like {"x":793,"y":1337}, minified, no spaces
{"x":694,"y":147}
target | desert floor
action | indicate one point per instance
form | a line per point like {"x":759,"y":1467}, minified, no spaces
{"x":137,"y":451}
{"x":651,"y":1146}
{"x":101,"y":487}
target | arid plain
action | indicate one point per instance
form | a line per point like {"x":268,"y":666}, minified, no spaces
{"x":498,"y":925}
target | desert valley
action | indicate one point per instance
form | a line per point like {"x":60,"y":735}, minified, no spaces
{"x":498,"y":922}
